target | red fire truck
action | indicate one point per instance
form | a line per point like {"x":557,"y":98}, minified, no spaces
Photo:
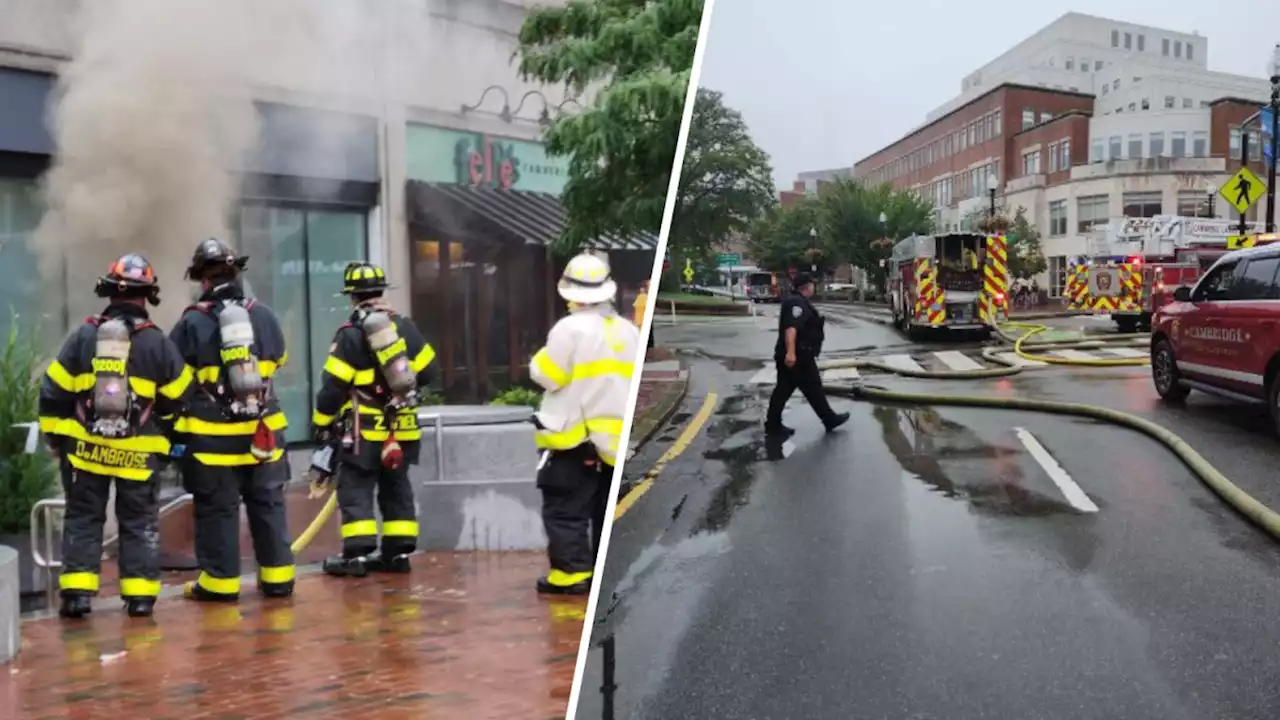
{"x":948,"y":282}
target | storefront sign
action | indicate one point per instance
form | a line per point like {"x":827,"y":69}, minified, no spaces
{"x":441,"y":155}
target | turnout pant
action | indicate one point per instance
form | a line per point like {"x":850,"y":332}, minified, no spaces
{"x":806,"y":378}
{"x":575,"y":495}
{"x":217,"y":493}
{"x":358,"y":488}
{"x":137,"y":513}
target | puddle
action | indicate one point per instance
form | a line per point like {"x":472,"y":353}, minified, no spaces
{"x":737,"y":364}
{"x":737,"y":404}
{"x":679,"y":419}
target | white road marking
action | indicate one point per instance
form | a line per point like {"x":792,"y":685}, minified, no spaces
{"x":766,"y":376}
{"x":902,"y":362}
{"x":1077,"y":497}
{"x":1069,"y":354}
{"x":839,"y":374}
{"x":1013,"y":359}
{"x":1127,"y":352}
{"x":957,"y":360}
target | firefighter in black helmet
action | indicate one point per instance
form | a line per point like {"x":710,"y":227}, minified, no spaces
{"x":103,"y":404}
{"x":233,"y":430}
{"x":367,"y":409}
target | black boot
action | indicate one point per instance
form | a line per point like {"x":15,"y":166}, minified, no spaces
{"x":339,"y":566}
{"x":546,"y":587}
{"x":75,"y":604}
{"x":193,"y":591}
{"x":380,"y":562}
{"x":836,"y":421}
{"x":779,"y":430}
{"x":140,"y":606}
{"x":276,"y":590}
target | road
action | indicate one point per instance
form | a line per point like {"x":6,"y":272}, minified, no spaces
{"x":947,"y":563}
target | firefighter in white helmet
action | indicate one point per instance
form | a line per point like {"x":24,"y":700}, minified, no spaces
{"x":586,"y":369}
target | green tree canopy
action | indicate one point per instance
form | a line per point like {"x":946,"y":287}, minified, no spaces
{"x":620,"y":148}
{"x":1026,"y":256}
{"x":725,"y":183}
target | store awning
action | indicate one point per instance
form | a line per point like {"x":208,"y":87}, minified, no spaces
{"x":533,"y":217}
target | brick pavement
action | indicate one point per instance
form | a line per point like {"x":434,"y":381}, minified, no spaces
{"x":463,"y":636}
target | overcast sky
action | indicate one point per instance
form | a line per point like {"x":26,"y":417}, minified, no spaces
{"x":823,"y":83}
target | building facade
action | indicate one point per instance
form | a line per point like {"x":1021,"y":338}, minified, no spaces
{"x":432,"y":165}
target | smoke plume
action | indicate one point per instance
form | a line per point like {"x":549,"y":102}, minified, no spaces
{"x":153,"y":116}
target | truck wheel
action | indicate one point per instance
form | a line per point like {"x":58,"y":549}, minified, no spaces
{"x":1127,"y":324}
{"x":1164,"y":373}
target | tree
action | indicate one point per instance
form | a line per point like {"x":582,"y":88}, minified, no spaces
{"x":851,"y":222}
{"x":725,"y":183}
{"x":622,"y":146}
{"x":780,"y":239}
{"x":1026,"y":257}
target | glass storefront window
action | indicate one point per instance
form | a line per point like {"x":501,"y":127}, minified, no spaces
{"x":20,"y":286}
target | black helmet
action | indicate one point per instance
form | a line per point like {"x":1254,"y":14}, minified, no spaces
{"x":131,"y":276}
{"x":361,"y":277}
{"x":213,"y":255}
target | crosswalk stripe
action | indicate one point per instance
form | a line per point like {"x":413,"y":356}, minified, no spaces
{"x":847,"y":373}
{"x":1012,"y":358}
{"x":1125,"y":352}
{"x":766,"y":376}
{"x":956,"y":360}
{"x":901,"y":362}
{"x":1069,"y":354}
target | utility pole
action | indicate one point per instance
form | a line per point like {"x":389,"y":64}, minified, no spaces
{"x":1275,"y":139}
{"x":1244,"y":163}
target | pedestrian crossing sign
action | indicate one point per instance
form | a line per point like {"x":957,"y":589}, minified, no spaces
{"x":1243,"y":190}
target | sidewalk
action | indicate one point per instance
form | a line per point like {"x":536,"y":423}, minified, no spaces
{"x":662,"y":386}
{"x":464,"y":635}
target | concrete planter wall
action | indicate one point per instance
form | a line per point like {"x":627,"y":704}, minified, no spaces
{"x":10,"y":609}
{"x":31,"y":579}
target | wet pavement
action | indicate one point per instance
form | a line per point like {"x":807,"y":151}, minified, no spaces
{"x":949,"y":563}
{"x":462,"y":636}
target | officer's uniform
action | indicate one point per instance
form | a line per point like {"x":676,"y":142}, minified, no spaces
{"x":586,"y":369}
{"x":229,"y":457}
{"x":157,"y":384}
{"x":356,"y":410}
{"x":798,"y":313}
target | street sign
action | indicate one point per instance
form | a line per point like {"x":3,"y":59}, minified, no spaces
{"x":1265,"y":120}
{"x":1239,"y":242}
{"x":728,"y":259}
{"x":688,"y":270}
{"x":1243,"y":190}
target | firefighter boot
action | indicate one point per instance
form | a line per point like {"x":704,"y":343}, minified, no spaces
{"x":75,"y":604}
{"x":276,"y":590}
{"x":340,"y":566}
{"x":193,"y":591}
{"x":140,"y":606}
{"x":377,"y":562}
{"x":558,"y":582}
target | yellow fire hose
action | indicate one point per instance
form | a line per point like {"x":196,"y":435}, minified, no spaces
{"x":322,"y":517}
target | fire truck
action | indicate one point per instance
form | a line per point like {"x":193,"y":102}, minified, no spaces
{"x":762,"y":287}
{"x":954,"y":282}
{"x":1135,"y":265}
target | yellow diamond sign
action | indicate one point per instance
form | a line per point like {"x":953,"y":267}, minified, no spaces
{"x":1243,"y":190}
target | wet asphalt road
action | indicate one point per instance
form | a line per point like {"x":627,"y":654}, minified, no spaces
{"x":924,"y":564}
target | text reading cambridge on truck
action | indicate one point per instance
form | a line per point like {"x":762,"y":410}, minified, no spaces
{"x":1220,"y":336}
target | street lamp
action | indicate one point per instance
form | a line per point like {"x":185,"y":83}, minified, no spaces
{"x":1212,"y":192}
{"x":1275,"y":142}
{"x":813,"y":237}
{"x":992,"y":187}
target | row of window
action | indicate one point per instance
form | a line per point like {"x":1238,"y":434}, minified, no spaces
{"x":1058,"y":157}
{"x":1085,"y":65}
{"x":1093,"y":210}
{"x":1117,"y":147}
{"x":961,"y":186}
{"x":1030,"y":118}
{"x":1167,"y":47}
{"x":971,"y":135}
{"x":1255,"y":143}
{"x":1170,"y":103}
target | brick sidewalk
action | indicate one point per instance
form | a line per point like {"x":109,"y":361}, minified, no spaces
{"x":463,"y":636}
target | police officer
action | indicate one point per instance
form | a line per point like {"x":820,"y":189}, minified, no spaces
{"x":233,"y":430}
{"x":800,"y":336}
{"x":586,"y":369}
{"x":367,"y":408}
{"x":101,"y":404}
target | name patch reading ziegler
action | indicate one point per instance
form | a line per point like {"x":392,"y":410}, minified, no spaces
{"x":112,"y":457}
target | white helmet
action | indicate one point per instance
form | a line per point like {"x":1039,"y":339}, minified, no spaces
{"x":586,"y":281}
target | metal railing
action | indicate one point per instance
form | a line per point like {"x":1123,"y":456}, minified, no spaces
{"x":437,"y":423}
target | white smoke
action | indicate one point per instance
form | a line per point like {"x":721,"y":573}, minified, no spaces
{"x":155,"y":113}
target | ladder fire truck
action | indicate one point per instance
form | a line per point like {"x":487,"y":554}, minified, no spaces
{"x":953,"y":282}
{"x":1135,"y":264}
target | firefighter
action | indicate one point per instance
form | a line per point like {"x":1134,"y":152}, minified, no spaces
{"x":367,"y":408}
{"x":585,"y":368}
{"x":800,"y":336}
{"x":101,"y":407}
{"x":233,"y":429}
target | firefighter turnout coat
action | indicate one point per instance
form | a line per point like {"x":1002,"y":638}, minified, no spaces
{"x":586,"y":369}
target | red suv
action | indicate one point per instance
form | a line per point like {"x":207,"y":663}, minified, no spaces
{"x":1223,"y":335}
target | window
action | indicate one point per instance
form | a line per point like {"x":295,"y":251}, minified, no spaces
{"x":1137,"y":79}
{"x":961,"y":140}
{"x":20,"y":288}
{"x":1105,"y":88}
{"x":1142,"y":43}
{"x":1071,"y":63}
{"x":1178,"y":146}
{"x":1084,"y":65}
{"x":1053,"y":158}
{"x":1146,"y":104}
{"x":1135,"y":147}
{"x":1216,"y":286}
{"x":1193,"y":203}
{"x":1206,"y":104}
{"x":1189,"y":52}
{"x":1234,"y":142}
{"x":1092,"y":210}
{"x":1073,"y":88}
{"x":1057,"y":275}
{"x":1168,"y":102}
{"x":1113,"y":145}
{"x":1200,"y":143}
{"x":1164,"y":47}
{"x":1031,"y":163}
{"x":1028,"y":118}
{"x":1045,"y":117}
{"x":1065,"y":149}
{"x":1133,"y":106}
{"x":1096,"y":151}
{"x":1187,"y":104}
{"x":1177,"y":48}
{"x":1097,"y":65}
{"x":1257,"y":282}
{"x":1115,"y":39}
{"x":1143,"y":204}
{"x":1128,"y":41}
{"x":1116,"y":85}
{"x":1057,"y":218}
{"x":996,"y":121}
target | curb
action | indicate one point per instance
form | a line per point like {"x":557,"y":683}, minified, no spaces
{"x":666,"y":416}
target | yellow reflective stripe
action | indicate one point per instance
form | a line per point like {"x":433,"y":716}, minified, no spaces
{"x":49,"y":425}
{"x":63,"y":379}
{"x":139,"y":474}
{"x":219,"y":586}
{"x":142,"y":387}
{"x":359,"y":528}
{"x":364,"y":377}
{"x":611,"y":426}
{"x":207,"y":375}
{"x":85,"y":581}
{"x":397,"y":347}
{"x":235,"y":460}
{"x":566,"y":439}
{"x":400,"y":528}
{"x":196,"y":426}
{"x":600,"y":368}
{"x":179,"y":385}
{"x":276,"y":575}
{"x":139,"y":587}
{"x":339,"y":369}
{"x":544,"y":364}
{"x":321,"y":420}
{"x":266,"y":368}
{"x":140,"y":443}
{"x":284,"y":358}
{"x":561,"y":578}
{"x":423,"y":358}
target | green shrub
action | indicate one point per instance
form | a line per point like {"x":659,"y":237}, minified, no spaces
{"x":24,"y":479}
{"x":428,"y":397}
{"x":518,"y":396}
